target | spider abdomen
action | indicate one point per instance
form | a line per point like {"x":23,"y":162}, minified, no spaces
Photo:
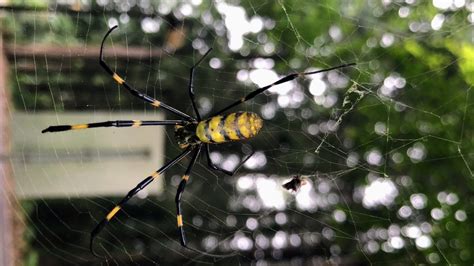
{"x":230,"y":127}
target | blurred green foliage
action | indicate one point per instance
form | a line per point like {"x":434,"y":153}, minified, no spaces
{"x":429,"y":116}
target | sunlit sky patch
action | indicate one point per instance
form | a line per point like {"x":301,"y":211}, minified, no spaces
{"x":241,"y":242}
{"x":437,"y":21}
{"x":381,"y":191}
{"x":423,"y":242}
{"x":449,"y":4}
{"x":251,"y":223}
{"x":391,"y":85}
{"x":263,"y":77}
{"x":262,"y":241}
{"x":405,"y":212}
{"x":210,"y":242}
{"x":150,"y":25}
{"x":411,"y":231}
{"x":417,"y":152}
{"x":352,"y":159}
{"x":306,"y":199}
{"x":339,"y":216}
{"x":238,"y":24}
{"x":396,"y":242}
{"x":374,"y":157}
{"x":460,"y":215}
{"x":258,"y":160}
{"x":270,"y":193}
{"x":418,"y":201}
{"x":280,"y":240}
{"x":404,"y":11}
{"x":245,"y":182}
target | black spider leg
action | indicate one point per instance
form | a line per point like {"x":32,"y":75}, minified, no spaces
{"x":117,"y":123}
{"x":144,"y":183}
{"x":217,"y":168}
{"x":179,"y":193}
{"x":133,"y":91}
{"x":179,"y":217}
{"x":280,"y":81}
{"x":191,"y":84}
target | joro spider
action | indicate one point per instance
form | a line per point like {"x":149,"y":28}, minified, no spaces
{"x":191,"y":133}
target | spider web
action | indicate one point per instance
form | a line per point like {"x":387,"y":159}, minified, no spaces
{"x":384,"y":146}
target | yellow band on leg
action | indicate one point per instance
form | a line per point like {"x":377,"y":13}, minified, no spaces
{"x":112,"y":213}
{"x":137,"y":123}
{"x":155,"y":174}
{"x":80,"y":126}
{"x":180,"y":220}
{"x":118,"y":79}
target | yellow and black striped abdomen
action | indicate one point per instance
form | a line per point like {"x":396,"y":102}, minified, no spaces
{"x":231,"y":127}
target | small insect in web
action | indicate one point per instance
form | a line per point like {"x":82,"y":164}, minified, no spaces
{"x":192,"y":133}
{"x":295,"y":183}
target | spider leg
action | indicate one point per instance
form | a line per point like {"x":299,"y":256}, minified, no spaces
{"x":191,"y":84}
{"x":217,"y":168}
{"x":179,"y":193}
{"x":133,"y":91}
{"x":280,"y":81}
{"x":145,"y":182}
{"x":117,"y":123}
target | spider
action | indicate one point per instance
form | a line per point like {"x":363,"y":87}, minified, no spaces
{"x":191,"y":133}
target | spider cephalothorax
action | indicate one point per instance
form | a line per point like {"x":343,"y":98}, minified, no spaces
{"x":185,"y":135}
{"x":192,"y":133}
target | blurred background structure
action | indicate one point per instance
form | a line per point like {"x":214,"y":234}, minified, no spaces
{"x":386,"y":147}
